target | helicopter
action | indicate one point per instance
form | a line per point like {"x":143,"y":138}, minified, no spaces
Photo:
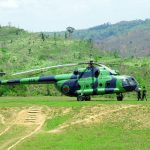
{"x":95,"y":79}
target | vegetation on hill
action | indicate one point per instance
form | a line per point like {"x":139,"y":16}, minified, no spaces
{"x":21,"y":51}
{"x":128,"y":38}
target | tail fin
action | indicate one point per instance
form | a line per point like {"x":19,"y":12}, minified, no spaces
{"x":2,"y":73}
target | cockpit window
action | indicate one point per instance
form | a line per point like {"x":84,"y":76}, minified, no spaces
{"x":132,"y":81}
{"x":126,"y":82}
{"x":129,"y":81}
{"x":88,"y":72}
{"x":97,"y":73}
{"x":76,"y":72}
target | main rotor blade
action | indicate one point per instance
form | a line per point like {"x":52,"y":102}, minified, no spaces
{"x":45,"y":68}
{"x":60,"y":66}
{"x":107,"y":68}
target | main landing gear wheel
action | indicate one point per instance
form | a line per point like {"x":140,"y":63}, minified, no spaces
{"x":87,"y":98}
{"x":83,"y":98}
{"x":120,"y":97}
{"x":79,"y":98}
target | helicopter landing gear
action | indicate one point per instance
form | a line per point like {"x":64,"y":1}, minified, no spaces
{"x":83,"y":98}
{"x":87,"y":98}
{"x":120,"y":97}
{"x":79,"y":98}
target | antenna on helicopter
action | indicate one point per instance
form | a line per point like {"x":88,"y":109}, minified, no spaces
{"x":90,"y":42}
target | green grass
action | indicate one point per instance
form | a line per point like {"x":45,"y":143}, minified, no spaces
{"x":56,"y":121}
{"x":94,"y":137}
{"x":12,"y":136}
{"x":61,"y":101}
{"x":115,"y":133}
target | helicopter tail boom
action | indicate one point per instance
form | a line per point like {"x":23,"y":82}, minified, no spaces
{"x":34,"y":80}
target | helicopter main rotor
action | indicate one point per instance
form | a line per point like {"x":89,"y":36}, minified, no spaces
{"x":45,"y":69}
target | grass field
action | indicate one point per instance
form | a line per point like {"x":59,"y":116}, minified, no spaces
{"x":62,"y":123}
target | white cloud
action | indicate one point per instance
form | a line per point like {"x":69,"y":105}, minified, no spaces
{"x":9,"y":4}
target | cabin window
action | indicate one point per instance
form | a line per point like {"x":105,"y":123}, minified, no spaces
{"x":87,"y":86}
{"x":100,"y":84}
{"x":76,"y":72}
{"x":108,"y":84}
{"x":92,"y":85}
{"x":79,"y":87}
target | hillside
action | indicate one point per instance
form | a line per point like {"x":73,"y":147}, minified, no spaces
{"x":128,"y":38}
{"x":21,"y":51}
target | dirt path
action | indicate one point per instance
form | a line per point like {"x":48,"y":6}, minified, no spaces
{"x":2,"y":119}
{"x":29,"y":118}
{"x":27,"y":136}
{"x":5,"y":130}
{"x":89,"y":119}
{"x":8,"y":127}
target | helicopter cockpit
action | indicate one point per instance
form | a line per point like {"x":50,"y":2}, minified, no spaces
{"x":88,"y":72}
{"x":129,"y":83}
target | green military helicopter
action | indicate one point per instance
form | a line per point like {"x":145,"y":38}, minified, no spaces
{"x":95,"y":79}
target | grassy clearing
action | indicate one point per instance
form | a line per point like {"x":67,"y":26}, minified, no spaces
{"x":98,"y":124}
{"x":56,"y":121}
{"x":61,"y":101}
{"x":106,"y":136}
{"x":13,"y":134}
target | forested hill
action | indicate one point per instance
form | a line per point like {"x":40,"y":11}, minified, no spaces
{"x":21,"y":51}
{"x":128,"y":38}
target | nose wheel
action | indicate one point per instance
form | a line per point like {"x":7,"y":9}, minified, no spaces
{"x":120,"y":97}
{"x":83,"y":98}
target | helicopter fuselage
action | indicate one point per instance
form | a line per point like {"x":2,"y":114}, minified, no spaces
{"x":95,"y":81}
{"x":87,"y":81}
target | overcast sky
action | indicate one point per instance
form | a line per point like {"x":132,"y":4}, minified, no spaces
{"x":56,"y":15}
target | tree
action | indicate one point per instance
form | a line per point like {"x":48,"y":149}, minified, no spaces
{"x":65,"y":35}
{"x":90,"y":45}
{"x":43,"y":36}
{"x":70,"y":30}
{"x":55,"y":38}
{"x":29,"y":51}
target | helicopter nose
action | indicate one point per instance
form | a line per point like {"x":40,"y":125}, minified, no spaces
{"x":137,"y":89}
{"x":130,"y":84}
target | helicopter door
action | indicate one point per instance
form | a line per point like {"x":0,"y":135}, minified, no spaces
{"x":86,"y":84}
{"x":83,"y":83}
